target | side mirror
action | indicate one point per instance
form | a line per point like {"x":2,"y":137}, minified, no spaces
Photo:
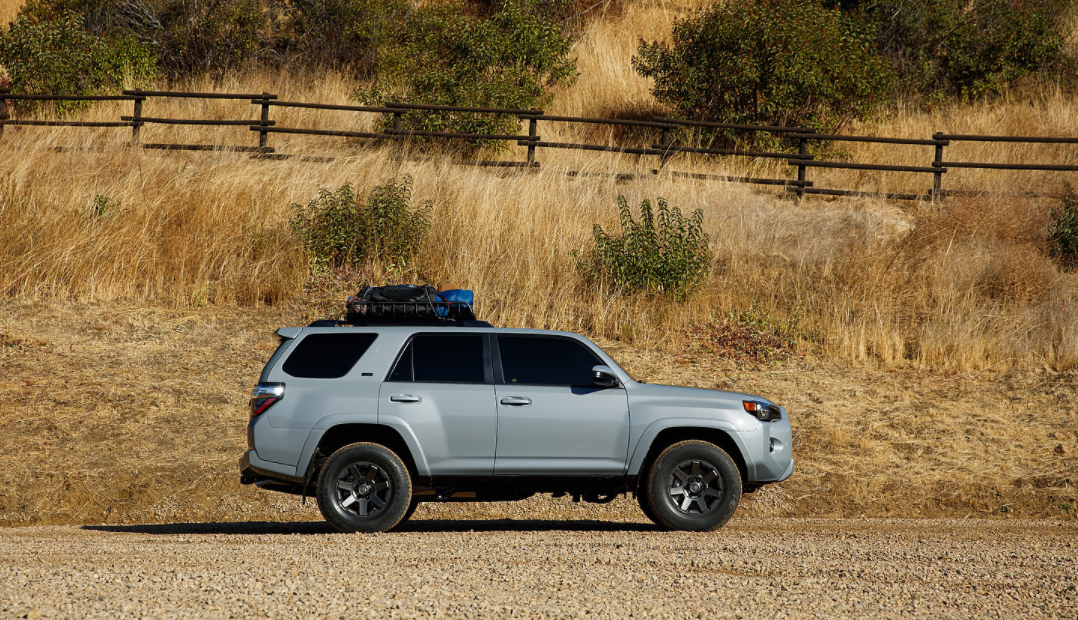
{"x":604,"y":377}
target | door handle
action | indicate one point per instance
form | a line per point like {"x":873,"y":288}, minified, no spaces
{"x":404,"y":398}
{"x":516,"y":401}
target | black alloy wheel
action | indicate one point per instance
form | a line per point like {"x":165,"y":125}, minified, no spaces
{"x":693,"y":485}
{"x":364,"y":487}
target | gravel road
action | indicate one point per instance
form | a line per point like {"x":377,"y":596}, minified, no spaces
{"x":780,"y":568}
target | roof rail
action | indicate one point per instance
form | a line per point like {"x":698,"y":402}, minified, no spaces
{"x":391,"y":322}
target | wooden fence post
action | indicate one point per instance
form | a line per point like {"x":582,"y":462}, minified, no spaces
{"x":136,"y":123}
{"x":664,"y":144}
{"x":937,"y":163}
{"x":802,"y":150}
{"x":533,"y":128}
{"x":399,"y":138}
{"x":4,"y":115}
{"x":263,"y":135}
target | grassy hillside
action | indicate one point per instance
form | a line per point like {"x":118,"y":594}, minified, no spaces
{"x":931,"y":338}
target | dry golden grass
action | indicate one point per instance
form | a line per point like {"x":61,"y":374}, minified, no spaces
{"x":961,"y":284}
{"x":135,"y":413}
{"x":9,"y":9}
{"x":935,"y":334}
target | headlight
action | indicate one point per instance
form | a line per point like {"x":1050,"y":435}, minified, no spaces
{"x":763,"y":411}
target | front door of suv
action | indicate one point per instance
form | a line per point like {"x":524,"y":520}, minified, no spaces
{"x":551,"y":420}
{"x":441,"y":387}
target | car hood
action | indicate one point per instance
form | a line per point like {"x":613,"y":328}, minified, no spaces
{"x":662,"y":401}
{"x":734,"y":399}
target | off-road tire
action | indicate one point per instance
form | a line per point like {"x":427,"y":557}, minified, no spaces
{"x":407,"y":515}
{"x":694,"y":486}
{"x":645,"y":505}
{"x":375,"y":475}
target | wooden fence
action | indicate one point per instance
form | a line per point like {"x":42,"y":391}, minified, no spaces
{"x":663,"y":148}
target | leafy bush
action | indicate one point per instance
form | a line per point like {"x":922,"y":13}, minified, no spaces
{"x":668,"y":254}
{"x":339,"y":228}
{"x":943,"y":48}
{"x":60,"y":57}
{"x":1063,"y":229}
{"x":443,"y":54}
{"x":192,"y":37}
{"x":102,"y":206}
{"x":343,"y":34}
{"x":779,"y":62}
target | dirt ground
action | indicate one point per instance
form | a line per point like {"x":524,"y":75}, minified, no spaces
{"x":116,"y":414}
{"x":777,"y":568}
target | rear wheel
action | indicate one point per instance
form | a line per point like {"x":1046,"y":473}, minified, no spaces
{"x":364,"y":487}
{"x":693,"y":485}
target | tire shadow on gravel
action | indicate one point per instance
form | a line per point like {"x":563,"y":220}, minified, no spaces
{"x":417,"y":526}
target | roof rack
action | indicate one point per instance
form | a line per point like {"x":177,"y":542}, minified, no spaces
{"x":399,"y":323}
{"x":434,"y":313}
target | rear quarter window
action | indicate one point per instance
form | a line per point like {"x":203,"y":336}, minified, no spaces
{"x":327,"y":356}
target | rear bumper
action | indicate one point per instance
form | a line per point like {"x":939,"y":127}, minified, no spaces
{"x":254,"y":469}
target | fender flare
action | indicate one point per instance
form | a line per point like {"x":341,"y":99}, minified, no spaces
{"x":643,"y":444}
{"x":338,"y":419}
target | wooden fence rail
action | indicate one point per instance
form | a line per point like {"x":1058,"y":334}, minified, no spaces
{"x":664,"y":149}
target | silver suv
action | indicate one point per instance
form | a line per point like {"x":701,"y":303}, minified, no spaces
{"x":372,"y":420}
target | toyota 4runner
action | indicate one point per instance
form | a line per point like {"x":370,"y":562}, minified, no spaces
{"x":371,"y":420}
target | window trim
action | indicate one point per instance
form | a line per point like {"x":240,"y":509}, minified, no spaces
{"x":488,"y":374}
{"x":499,"y":370}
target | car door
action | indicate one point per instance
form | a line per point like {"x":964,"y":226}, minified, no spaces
{"x":551,"y":420}
{"x":441,"y":387}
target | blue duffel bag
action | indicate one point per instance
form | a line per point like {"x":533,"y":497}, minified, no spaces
{"x":460,"y":295}
{"x":455,"y":296}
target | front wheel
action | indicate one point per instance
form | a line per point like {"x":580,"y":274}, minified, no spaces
{"x":693,"y":485}
{"x":364,"y":487}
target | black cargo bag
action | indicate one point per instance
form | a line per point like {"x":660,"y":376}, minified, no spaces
{"x":402,"y":301}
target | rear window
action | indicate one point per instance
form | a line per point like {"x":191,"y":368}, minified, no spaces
{"x":438,"y":358}
{"x":327,"y":356}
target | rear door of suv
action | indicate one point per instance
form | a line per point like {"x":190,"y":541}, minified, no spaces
{"x":441,"y":386}
{"x":551,"y":420}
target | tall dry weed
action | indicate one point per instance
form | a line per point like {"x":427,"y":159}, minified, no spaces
{"x":964,"y":283}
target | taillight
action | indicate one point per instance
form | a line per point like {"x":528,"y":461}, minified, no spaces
{"x":264,"y":396}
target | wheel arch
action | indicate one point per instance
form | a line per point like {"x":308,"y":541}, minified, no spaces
{"x":340,"y":435}
{"x":669,"y":435}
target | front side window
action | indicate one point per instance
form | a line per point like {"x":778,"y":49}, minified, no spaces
{"x":441,"y":358}
{"x":540,"y":360}
{"x":327,"y":356}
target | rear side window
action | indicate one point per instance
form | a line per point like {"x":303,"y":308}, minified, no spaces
{"x":438,"y":358}
{"x":538,"y":360}
{"x":327,"y":356}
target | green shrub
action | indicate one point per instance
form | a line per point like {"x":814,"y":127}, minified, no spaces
{"x":339,"y":228}
{"x":193,"y":37}
{"x":444,"y":54}
{"x":778,"y":62}
{"x":343,"y":34}
{"x":1063,"y":229}
{"x":942,"y":48}
{"x":668,"y":254}
{"x":60,"y":57}
{"x":102,"y":206}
